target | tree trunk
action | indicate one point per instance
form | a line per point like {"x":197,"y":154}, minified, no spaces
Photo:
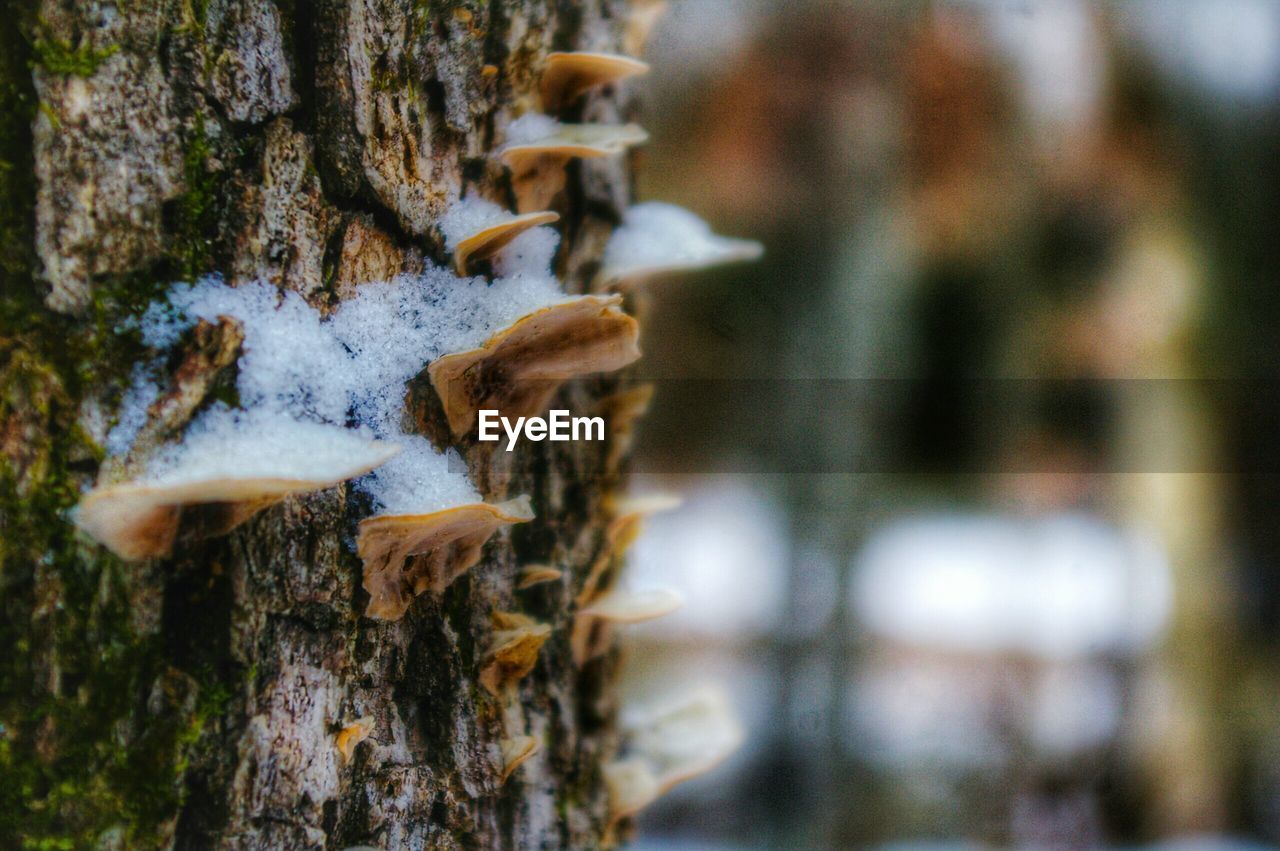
{"x":194,"y":701}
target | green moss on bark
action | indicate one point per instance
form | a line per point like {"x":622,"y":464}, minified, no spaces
{"x":58,"y":56}
{"x":195,"y":212}
{"x":95,"y":726}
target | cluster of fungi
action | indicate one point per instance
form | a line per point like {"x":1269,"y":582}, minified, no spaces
{"x":517,"y":370}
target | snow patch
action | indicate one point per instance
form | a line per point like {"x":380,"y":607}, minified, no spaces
{"x":531,"y":127}
{"x":143,"y":390}
{"x":305,"y":381}
{"x":466,"y":216}
{"x":227,"y":444}
{"x":655,"y":236}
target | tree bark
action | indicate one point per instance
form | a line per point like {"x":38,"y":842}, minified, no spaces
{"x":193,"y":701}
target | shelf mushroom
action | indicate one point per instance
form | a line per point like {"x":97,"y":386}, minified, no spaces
{"x":514,"y":650}
{"x":629,"y":513}
{"x":592,"y":623}
{"x":230,"y":473}
{"x":538,"y":574}
{"x":621,"y":411}
{"x":520,"y":367}
{"x":515,"y":751}
{"x":443,"y":545}
{"x":491,"y":237}
{"x":538,"y":148}
{"x":352,"y":735}
{"x":668,"y":746}
{"x":568,"y":76}
{"x":602,"y":603}
{"x":639,"y":23}
{"x":657,"y":238}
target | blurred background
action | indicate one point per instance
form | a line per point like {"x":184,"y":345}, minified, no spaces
{"x":982,"y":461}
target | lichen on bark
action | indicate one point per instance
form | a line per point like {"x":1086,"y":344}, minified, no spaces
{"x":194,"y":701}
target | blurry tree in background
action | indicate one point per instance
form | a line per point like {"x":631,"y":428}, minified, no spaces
{"x":1020,"y":274}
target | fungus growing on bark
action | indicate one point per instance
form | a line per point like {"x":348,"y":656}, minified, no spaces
{"x":514,"y":753}
{"x":667,"y":746}
{"x":592,"y":623}
{"x":513,"y":651}
{"x":442,"y":545}
{"x":353,"y":734}
{"x":601,"y":606}
{"x":568,"y":76}
{"x":629,"y":513}
{"x":657,"y":238}
{"x":476,"y":230}
{"x":538,"y":148}
{"x":640,"y":21}
{"x":301,"y":379}
{"x":230,"y":466}
{"x":621,"y":410}
{"x":537,"y":574}
{"x":621,"y":605}
{"x":519,"y":368}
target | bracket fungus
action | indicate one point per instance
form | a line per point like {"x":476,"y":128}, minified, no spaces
{"x":639,"y":23}
{"x":621,"y":605}
{"x":353,"y":734}
{"x":232,"y":469}
{"x":591,"y":631}
{"x":519,"y":368}
{"x":482,"y":239}
{"x":668,"y":746}
{"x":538,"y":148}
{"x":514,"y":650}
{"x":629,"y":513}
{"x":514,"y":753}
{"x":657,"y":238}
{"x":568,"y":76}
{"x":621,"y":411}
{"x":443,"y":545}
{"x":537,"y":574}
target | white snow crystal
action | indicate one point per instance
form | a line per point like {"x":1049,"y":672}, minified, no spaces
{"x":529,"y":255}
{"x":467,"y":216}
{"x":531,"y":127}
{"x":303,"y":380}
{"x":260,"y":444}
{"x":419,"y":480}
{"x":132,"y":416}
{"x":655,"y":237}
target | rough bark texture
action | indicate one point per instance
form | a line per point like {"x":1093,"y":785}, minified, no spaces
{"x":194,"y":701}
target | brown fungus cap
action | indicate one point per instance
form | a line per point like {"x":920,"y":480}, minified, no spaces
{"x":537,"y":167}
{"x":639,"y":23}
{"x":351,"y":735}
{"x":513,"y":651}
{"x":629,"y":513}
{"x":140,"y":519}
{"x":621,"y":411}
{"x":407,"y":554}
{"x":488,"y":241}
{"x":515,"y":751}
{"x":519,"y":368}
{"x":568,"y":76}
{"x":538,"y":574}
